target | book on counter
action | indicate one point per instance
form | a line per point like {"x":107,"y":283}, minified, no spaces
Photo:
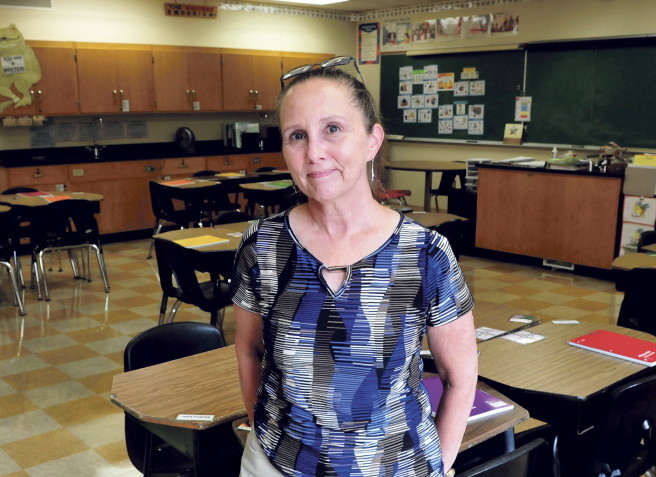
{"x":485,"y":405}
{"x":618,"y":345}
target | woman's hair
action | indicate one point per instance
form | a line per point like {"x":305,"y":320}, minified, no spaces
{"x":362,"y":99}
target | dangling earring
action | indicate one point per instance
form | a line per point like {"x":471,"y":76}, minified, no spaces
{"x":371,"y":165}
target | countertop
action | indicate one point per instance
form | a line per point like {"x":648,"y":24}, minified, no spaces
{"x":519,"y":167}
{"x":125,"y":152}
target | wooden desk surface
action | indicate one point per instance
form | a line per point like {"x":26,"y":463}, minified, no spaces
{"x":552,"y":366}
{"x":231,"y":232}
{"x":189,"y":182}
{"x":435,"y":166}
{"x":159,"y":393}
{"x":4,"y":208}
{"x":650,"y":247}
{"x":39,"y":201}
{"x":267,"y":186}
{"x":431,"y":219}
{"x":634,"y":260}
{"x":208,"y":384}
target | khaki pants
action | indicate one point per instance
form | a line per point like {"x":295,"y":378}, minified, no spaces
{"x":254,"y":462}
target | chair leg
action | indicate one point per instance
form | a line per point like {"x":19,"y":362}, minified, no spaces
{"x":42,"y":270}
{"x":14,"y":287}
{"x":101,"y":265}
{"x":162,"y":309}
{"x":174,"y":310}
{"x":19,"y":269}
{"x":36,"y":277}
{"x":156,"y":229}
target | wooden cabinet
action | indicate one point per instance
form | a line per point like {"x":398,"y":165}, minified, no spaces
{"x":188,"y":79}
{"x":45,"y":178}
{"x":266,"y":159}
{"x":124,"y":187}
{"x":235,"y":163}
{"x":570,"y":217}
{"x":182,"y":167}
{"x":115,"y":79}
{"x":56,"y":92}
{"x":250,"y":82}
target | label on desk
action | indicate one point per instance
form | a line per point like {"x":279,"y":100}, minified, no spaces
{"x":195,"y":417}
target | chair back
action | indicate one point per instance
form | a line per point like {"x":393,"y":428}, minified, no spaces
{"x":232,"y":217}
{"x":161,"y":201}
{"x":647,"y":237}
{"x":627,"y":443}
{"x":18,"y":190}
{"x":638,"y":309}
{"x":529,"y":460}
{"x":9,"y":223}
{"x":204,"y":173}
{"x":452,"y":230}
{"x":179,"y":263}
{"x":170,"y":341}
{"x":64,"y":223}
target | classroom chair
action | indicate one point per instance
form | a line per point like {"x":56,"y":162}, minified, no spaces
{"x":9,"y":226}
{"x":147,"y":452}
{"x":638,"y":309}
{"x":447,"y":185}
{"x":529,"y":460}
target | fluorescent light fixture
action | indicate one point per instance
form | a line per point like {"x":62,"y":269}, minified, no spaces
{"x":313,"y":2}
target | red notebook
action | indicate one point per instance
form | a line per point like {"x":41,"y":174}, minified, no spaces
{"x":618,"y":345}
{"x":485,"y":404}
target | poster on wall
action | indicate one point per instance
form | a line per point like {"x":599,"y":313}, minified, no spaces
{"x":368,"y":44}
{"x":396,"y":35}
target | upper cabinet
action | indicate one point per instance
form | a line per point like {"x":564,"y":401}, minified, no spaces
{"x":187,"y":79}
{"x":56,"y":92}
{"x":250,"y":82}
{"x":116,"y":79}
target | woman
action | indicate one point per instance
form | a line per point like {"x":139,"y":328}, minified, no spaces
{"x":332,"y":299}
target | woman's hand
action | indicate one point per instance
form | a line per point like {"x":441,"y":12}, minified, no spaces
{"x":249,"y":349}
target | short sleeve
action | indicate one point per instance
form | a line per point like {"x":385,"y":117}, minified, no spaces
{"x":449,"y":297}
{"x":245,"y":277}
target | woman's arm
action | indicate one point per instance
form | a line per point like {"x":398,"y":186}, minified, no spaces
{"x":453,"y":347}
{"x":249,"y":349}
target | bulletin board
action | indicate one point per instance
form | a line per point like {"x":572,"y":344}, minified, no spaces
{"x":584,"y":93}
{"x":501,"y":74}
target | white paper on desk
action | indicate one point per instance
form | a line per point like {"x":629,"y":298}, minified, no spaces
{"x":485,"y":333}
{"x":195,"y":417}
{"x":235,"y":234}
{"x":524,"y":337}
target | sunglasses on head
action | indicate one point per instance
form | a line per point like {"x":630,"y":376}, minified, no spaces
{"x":336,"y":61}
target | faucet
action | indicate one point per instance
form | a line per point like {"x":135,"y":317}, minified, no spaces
{"x":96,"y":148}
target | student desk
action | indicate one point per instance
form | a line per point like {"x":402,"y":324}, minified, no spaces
{"x":563,"y":385}
{"x":20,"y":200}
{"x":208,"y":384}
{"x":427,"y":167}
{"x":635,"y":260}
{"x":433,"y":219}
{"x":231,"y":232}
{"x":650,"y":248}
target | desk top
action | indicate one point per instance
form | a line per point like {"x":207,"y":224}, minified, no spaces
{"x":552,"y":366}
{"x":634,"y":260}
{"x":38,"y":201}
{"x":4,"y":208}
{"x":179,"y":384}
{"x":429,"y":166}
{"x":189,"y":182}
{"x":208,"y":384}
{"x":231,"y":232}
{"x":650,"y":247}
{"x":267,"y":186}
{"x":432,"y":219}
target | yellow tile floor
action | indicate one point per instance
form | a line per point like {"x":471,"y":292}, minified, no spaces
{"x":57,"y":362}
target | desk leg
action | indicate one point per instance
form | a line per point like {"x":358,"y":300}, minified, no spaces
{"x":509,"y":439}
{"x":428,"y":184}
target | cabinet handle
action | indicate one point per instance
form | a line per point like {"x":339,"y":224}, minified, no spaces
{"x":114,"y":94}
{"x":226,"y":161}
{"x":120,"y":92}
{"x":38,"y":174}
{"x":183,"y":165}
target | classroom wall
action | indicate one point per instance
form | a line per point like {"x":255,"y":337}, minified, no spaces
{"x":539,"y":20}
{"x":143,"y":22}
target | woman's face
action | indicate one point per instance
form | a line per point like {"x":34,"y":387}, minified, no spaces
{"x":325,"y":143}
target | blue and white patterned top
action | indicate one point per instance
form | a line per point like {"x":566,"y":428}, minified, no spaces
{"x":341,"y":392}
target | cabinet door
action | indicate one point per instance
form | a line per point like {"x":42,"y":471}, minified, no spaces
{"x":40,"y":177}
{"x":96,"y":73}
{"x":267,"y":159}
{"x":182,"y":167}
{"x":56,"y":92}
{"x":205,"y":80}
{"x":170,"y":69}
{"x":134,"y":74}
{"x":266,"y":80}
{"x":236,"y":163}
{"x":238,"y":92}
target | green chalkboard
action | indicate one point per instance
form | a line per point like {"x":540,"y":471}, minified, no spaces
{"x":590,"y":93}
{"x":502,"y":73}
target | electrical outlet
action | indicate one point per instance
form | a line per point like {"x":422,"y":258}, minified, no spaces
{"x":78,"y":172}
